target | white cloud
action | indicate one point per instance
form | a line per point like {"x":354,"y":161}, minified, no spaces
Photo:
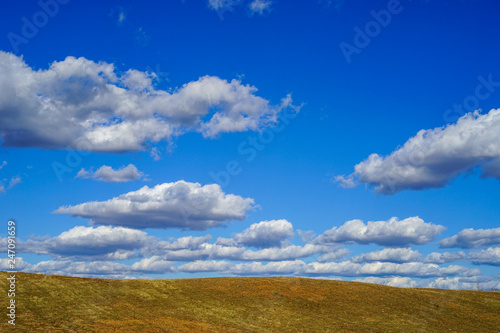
{"x":108,"y":174}
{"x":411,"y":269}
{"x":470,"y":238}
{"x":459,"y":283}
{"x":155,"y":154}
{"x":68,"y":267}
{"x":306,"y":235}
{"x":195,"y":248}
{"x":333,"y":255}
{"x":394,"y":281}
{"x":394,"y":232}
{"x":121,"y":16}
{"x":85,"y":105}
{"x":188,"y":242}
{"x":222,"y":4}
{"x":265,"y":234}
{"x":489,"y":256}
{"x":89,"y":243}
{"x":108,"y":243}
{"x":397,"y":255}
{"x":189,"y":249}
{"x":20,"y":264}
{"x":205,"y":251}
{"x":92,"y":252}
{"x":433,"y":158}
{"x":169,"y":205}
{"x":153,"y":265}
{"x":444,"y":257}
{"x":285,"y":253}
{"x":260,"y":6}
{"x":346,"y":268}
{"x":12,"y":182}
{"x":205,"y":266}
{"x":4,"y":163}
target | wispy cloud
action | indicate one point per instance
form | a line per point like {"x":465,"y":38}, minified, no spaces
{"x":122,"y":16}
{"x":12,"y":182}
{"x":260,"y":6}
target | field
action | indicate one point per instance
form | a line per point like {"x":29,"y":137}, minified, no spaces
{"x":244,"y":304}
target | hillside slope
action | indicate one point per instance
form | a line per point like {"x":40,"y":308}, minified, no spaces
{"x":273,"y":304}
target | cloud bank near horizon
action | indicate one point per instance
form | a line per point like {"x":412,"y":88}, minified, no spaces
{"x":396,"y":266}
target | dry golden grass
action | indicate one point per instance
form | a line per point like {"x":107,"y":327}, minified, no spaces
{"x":275,"y":304}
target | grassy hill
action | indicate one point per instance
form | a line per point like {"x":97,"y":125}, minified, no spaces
{"x":276,"y":304}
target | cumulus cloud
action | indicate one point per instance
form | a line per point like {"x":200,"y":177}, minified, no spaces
{"x":346,"y":268}
{"x":187,"y":242}
{"x":93,"y":252}
{"x":286,"y":253}
{"x":460,"y":283}
{"x":70,"y":267}
{"x":20,"y":264}
{"x":208,"y":251}
{"x":152,"y":265}
{"x":260,"y":6}
{"x":265,"y":234}
{"x":333,"y":254}
{"x":195,"y":248}
{"x":170,"y":205}
{"x":90,"y":243}
{"x":108,"y":174}
{"x":205,"y":251}
{"x":205,"y":266}
{"x":394,"y":232}
{"x":86,"y":105}
{"x":434,"y":157}
{"x":106,"y":243}
{"x":470,"y":238}
{"x":394,"y":281}
{"x":410,"y":269}
{"x":489,"y":256}
{"x":389,"y":254}
{"x":444,"y":257}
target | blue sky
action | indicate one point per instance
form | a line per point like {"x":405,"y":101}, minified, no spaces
{"x":100,"y":99}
